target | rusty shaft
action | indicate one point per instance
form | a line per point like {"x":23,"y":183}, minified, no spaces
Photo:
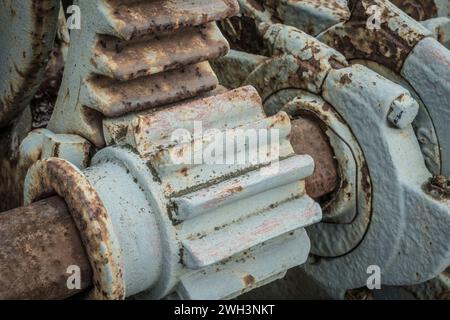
{"x":39,"y":242}
{"x":307,"y":137}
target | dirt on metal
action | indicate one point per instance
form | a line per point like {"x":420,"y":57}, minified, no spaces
{"x":389,"y":45}
{"x":39,"y":243}
{"x":308,"y":138}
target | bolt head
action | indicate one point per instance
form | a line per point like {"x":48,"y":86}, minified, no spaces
{"x":403,"y":111}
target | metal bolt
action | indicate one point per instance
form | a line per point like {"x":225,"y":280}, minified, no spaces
{"x":403,"y":111}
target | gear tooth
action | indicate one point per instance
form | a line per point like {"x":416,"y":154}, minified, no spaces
{"x":127,"y":65}
{"x":129,"y":60}
{"x":260,"y":228}
{"x":115,"y":98}
{"x":244,"y":104}
{"x":86,"y":123}
{"x":130,"y":19}
{"x":211,"y":198}
{"x":174,"y":157}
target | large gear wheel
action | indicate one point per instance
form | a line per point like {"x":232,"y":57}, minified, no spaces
{"x":129,"y":57}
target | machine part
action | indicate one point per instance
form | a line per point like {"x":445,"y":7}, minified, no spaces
{"x":42,"y":144}
{"x":440,"y":28}
{"x":400,"y":148}
{"x":405,"y":47}
{"x":26,"y":147}
{"x":91,"y":218}
{"x":422,"y":10}
{"x":316,"y":16}
{"x":311,"y":144}
{"x":377,"y":150}
{"x":307,"y":137}
{"x":290,"y":47}
{"x":180,"y":232}
{"x":429,"y":125}
{"x":303,"y":57}
{"x":311,"y":16}
{"x":41,"y":237}
{"x":133,"y":56}
{"x":26,"y":47}
{"x":121,"y":71}
{"x":434,"y":15}
{"x":347,"y":211}
{"x":124,"y":56}
{"x":390,"y":45}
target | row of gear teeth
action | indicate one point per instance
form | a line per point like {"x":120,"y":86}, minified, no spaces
{"x":135,"y":55}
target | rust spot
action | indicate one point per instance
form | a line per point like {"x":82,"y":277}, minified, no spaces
{"x":438,"y":187}
{"x":56,"y":149}
{"x":346,"y":79}
{"x":248,"y":280}
{"x":156,"y":17}
{"x":184,"y":171}
{"x":365,"y":180}
{"x":418,"y":9}
{"x":235,"y":189}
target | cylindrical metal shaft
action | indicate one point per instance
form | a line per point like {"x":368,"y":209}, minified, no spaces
{"x":38,"y":244}
{"x":307,"y":137}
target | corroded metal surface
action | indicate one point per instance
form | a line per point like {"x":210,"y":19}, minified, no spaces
{"x":311,"y":16}
{"x":346,"y":239}
{"x":298,"y":61}
{"x":424,"y":9}
{"x":405,"y":264}
{"x":388,"y":45}
{"x":151,"y":54}
{"x":133,"y":56}
{"x":185,"y":221}
{"x":192,"y":224}
{"x":418,"y":9}
{"x":28,"y":31}
{"x":307,"y":137}
{"x":347,"y":210}
{"x":214,"y":211}
{"x":62,"y":217}
{"x":414,"y":59}
{"x":20,"y":148}
{"x":38,"y":244}
{"x":58,"y":176}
